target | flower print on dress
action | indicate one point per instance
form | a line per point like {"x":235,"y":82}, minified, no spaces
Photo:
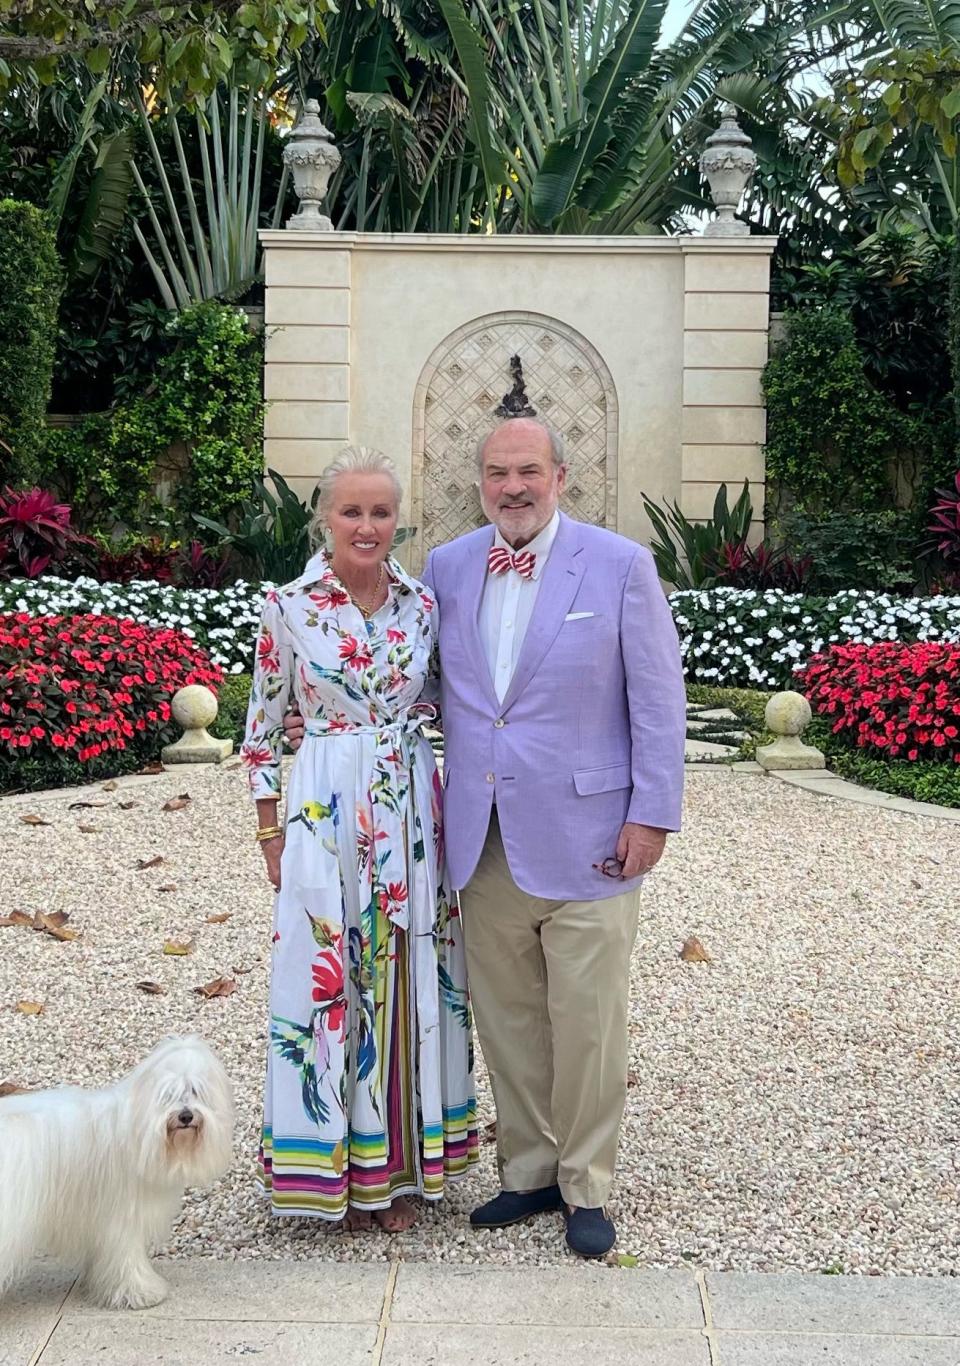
{"x":369,"y":1090}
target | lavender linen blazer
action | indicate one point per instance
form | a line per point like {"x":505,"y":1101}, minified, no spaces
{"x":591,"y":732}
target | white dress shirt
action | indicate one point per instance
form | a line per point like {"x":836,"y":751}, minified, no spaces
{"x":507,"y":606}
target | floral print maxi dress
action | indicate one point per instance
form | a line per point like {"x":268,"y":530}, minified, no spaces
{"x":369,"y":1088}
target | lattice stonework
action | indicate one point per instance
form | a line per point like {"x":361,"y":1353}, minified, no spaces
{"x":462,"y":383}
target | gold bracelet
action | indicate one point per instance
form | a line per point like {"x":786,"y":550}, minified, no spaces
{"x":268,"y":832}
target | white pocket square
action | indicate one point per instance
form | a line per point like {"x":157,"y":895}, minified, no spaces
{"x":578,"y":616}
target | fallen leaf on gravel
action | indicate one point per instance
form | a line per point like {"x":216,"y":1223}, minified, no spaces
{"x":178,"y":947}
{"x":149,"y":862}
{"x":625,"y":1259}
{"x":153,"y":768}
{"x":55,"y":924}
{"x":633,"y":1078}
{"x":168,"y":887}
{"x":85,"y":806}
{"x":33,"y":820}
{"x":10,"y":1088}
{"x":490,"y":1132}
{"x":43,"y":919}
{"x":151,"y":988}
{"x":177,"y":803}
{"x":16,"y":918}
{"x":89,"y":829}
{"x":126,"y":806}
{"x":219,"y":919}
{"x":694,"y":952}
{"x":29,"y":1007}
{"x":242,"y":972}
{"x":110,"y":786}
{"x":220,"y":986}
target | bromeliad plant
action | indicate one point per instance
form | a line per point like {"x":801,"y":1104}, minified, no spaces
{"x":743,"y":566}
{"x":35,"y":532}
{"x":945,"y":526}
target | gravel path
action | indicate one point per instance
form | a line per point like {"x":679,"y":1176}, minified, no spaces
{"x":793,"y":1104}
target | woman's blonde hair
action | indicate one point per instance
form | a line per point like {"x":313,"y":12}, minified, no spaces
{"x":351,"y":460}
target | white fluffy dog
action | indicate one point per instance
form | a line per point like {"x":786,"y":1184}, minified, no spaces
{"x":96,"y":1176}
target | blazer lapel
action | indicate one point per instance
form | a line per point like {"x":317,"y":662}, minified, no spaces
{"x":561,"y":578}
{"x":475,"y":576}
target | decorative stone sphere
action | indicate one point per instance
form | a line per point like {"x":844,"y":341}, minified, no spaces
{"x":194,"y":707}
{"x":787,"y":713}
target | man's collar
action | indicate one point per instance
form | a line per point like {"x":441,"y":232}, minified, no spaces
{"x":540,"y":546}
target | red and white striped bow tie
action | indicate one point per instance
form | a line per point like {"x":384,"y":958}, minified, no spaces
{"x":499,"y":560}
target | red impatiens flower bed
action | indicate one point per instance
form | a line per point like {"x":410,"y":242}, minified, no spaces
{"x":897,"y":701}
{"x":85,"y":686}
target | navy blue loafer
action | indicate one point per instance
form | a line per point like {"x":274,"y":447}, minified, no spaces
{"x":511,"y":1207}
{"x":590,"y":1233}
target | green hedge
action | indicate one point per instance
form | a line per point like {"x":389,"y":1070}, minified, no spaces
{"x":31,"y":282}
{"x":205,"y":394}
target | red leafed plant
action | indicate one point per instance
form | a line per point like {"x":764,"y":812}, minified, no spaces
{"x":86,"y":686}
{"x":35,"y":532}
{"x":897,"y":701}
{"x":742,"y":566}
{"x":945,"y":527}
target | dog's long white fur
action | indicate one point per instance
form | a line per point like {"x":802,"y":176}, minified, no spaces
{"x":96,"y":1177}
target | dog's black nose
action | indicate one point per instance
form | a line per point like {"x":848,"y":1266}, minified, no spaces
{"x":185,"y":1117}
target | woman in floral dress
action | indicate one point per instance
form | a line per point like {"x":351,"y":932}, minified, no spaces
{"x":369,"y":1089}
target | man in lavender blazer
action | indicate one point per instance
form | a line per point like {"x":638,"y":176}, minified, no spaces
{"x":564,"y":720}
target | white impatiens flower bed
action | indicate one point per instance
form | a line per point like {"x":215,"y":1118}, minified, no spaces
{"x":732,"y":637}
{"x":736,"y":637}
{"x":223,"y":620}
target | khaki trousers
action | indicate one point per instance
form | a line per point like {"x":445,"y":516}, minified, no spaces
{"x":550,"y":983}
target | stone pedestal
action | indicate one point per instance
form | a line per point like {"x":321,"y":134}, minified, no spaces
{"x":194,"y":709}
{"x":788,"y":714}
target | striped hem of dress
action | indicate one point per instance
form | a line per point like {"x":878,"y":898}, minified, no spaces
{"x":302,"y":1176}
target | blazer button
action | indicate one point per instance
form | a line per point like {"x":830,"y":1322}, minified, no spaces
{"x":490,"y":778}
{"x":499,"y":723}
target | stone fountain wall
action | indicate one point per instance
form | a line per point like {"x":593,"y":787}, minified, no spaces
{"x":645,"y":352}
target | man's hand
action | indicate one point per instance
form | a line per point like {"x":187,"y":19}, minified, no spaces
{"x":293,"y":728}
{"x":639,"y":848}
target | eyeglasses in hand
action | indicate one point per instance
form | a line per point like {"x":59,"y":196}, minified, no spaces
{"x":610,"y":867}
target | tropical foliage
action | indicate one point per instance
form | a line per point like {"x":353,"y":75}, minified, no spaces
{"x":184,"y":47}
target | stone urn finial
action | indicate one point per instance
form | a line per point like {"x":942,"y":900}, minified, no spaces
{"x":312,"y":157}
{"x":727,"y":164}
{"x":194,"y":708}
{"x":787,"y":715}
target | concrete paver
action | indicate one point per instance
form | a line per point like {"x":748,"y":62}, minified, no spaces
{"x":29,"y":1313}
{"x":297,"y":1313}
{"x":790,"y":1302}
{"x":274,"y":1292}
{"x":132,"y":1340}
{"x":412,"y":1344}
{"x":652,"y":1299}
{"x":825,"y":1349}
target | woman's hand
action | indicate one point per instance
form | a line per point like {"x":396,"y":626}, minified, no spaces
{"x":272,"y":854}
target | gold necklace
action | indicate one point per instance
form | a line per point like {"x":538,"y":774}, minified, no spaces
{"x":366,"y":609}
